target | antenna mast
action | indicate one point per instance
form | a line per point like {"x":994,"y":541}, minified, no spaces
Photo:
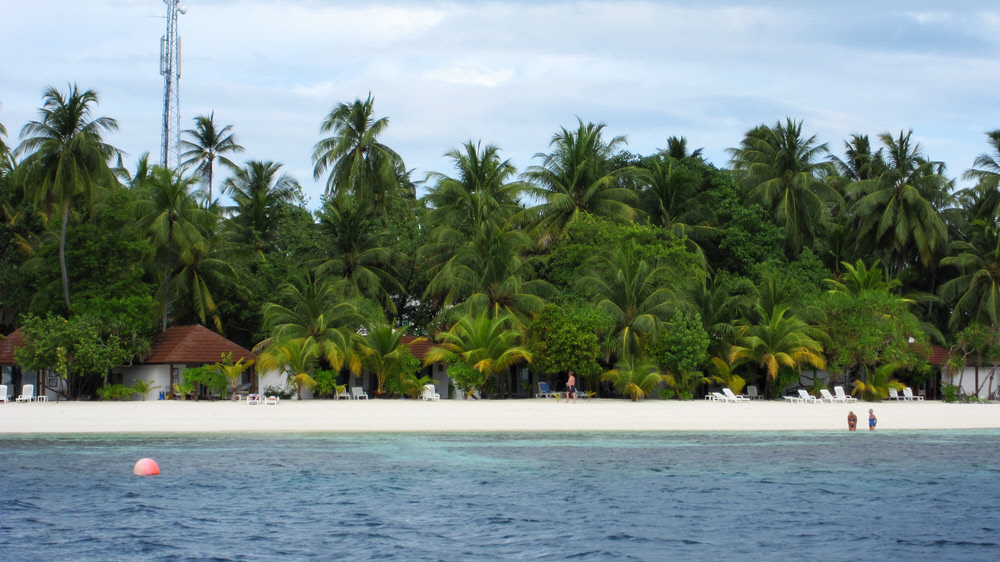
{"x":170,"y":68}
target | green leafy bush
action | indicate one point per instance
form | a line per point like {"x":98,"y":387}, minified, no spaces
{"x":950,"y":393}
{"x":210,"y":377}
{"x":116,"y":392}
{"x":284,"y":393}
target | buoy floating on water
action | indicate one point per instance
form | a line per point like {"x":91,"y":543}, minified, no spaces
{"x":146,"y":467}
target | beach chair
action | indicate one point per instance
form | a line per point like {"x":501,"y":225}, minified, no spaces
{"x":3,"y":393}
{"x":429,"y":393}
{"x":752,"y":393}
{"x":908,"y":395}
{"x":717,"y":396}
{"x":842,"y":396}
{"x":358,"y":393}
{"x":582,"y":394}
{"x":893,"y":395}
{"x":544,"y":391}
{"x":825,"y":396}
{"x":807,"y":398}
{"x":253,"y":399}
{"x":792,"y":399}
{"x":732,"y":396}
{"x":345,"y":395}
{"x":27,"y":393}
{"x":271,"y":400}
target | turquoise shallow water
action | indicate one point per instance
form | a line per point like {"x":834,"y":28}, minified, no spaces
{"x":642,"y":496}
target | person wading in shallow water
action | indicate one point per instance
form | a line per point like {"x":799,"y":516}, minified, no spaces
{"x":852,"y":422}
{"x":872,"y":420}
{"x":571,"y":387}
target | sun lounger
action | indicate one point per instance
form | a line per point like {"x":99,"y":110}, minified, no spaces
{"x":271,"y":400}
{"x":908,"y":395}
{"x":358,"y":393}
{"x":345,"y":395}
{"x":825,"y":396}
{"x":429,"y":393}
{"x":582,"y":394}
{"x":27,"y":393}
{"x":253,"y":399}
{"x":544,"y":391}
{"x":752,"y":393}
{"x":732,"y":396}
{"x":841,"y":396}
{"x":3,"y":393}
{"x":893,"y":395}
{"x":718,"y":397}
{"x":807,"y":398}
{"x":792,"y":399}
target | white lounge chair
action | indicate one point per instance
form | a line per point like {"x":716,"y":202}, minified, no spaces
{"x":807,"y":398}
{"x":27,"y":393}
{"x":718,"y":397}
{"x":908,"y":395}
{"x":544,"y":391}
{"x":358,"y":393}
{"x":271,"y":400}
{"x":732,"y":396}
{"x":842,"y":396}
{"x":253,"y":399}
{"x":893,"y":395}
{"x":825,"y":396}
{"x":345,"y":395}
{"x":792,"y":399}
{"x":752,"y":393}
{"x":3,"y":393}
{"x":429,"y":393}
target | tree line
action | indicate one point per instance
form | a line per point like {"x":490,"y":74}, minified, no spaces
{"x":644,"y":274}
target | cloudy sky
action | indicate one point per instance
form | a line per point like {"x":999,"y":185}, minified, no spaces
{"x":512,"y":73}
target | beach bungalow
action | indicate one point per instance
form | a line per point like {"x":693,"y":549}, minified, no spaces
{"x":973,"y":380}
{"x":14,"y":377}
{"x":181,"y":347}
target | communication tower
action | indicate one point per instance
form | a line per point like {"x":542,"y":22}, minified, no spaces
{"x":170,"y":68}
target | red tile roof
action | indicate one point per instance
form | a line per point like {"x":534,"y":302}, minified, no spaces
{"x":937,"y":356}
{"x":418,"y":349}
{"x":193,"y":344}
{"x":8,"y":345}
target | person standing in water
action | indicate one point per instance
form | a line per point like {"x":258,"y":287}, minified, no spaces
{"x":852,"y":422}
{"x":872,"y":420}
{"x":571,"y":387}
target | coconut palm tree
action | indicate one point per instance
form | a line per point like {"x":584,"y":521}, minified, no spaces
{"x":785,"y":173}
{"x":777,"y":340}
{"x":976,"y":292}
{"x":899,"y":212}
{"x":353,"y":245}
{"x":167,"y":210}
{"x":487,"y":345}
{"x":297,"y":357}
{"x":65,"y":159}
{"x":384,"y":353}
{"x":674,"y":200}
{"x":677,"y":149}
{"x":207,"y":144}
{"x":632,"y":291}
{"x":484,"y":190}
{"x":358,"y":163}
{"x":859,"y":162}
{"x":260,"y":191}
{"x":986,"y":172}
{"x":576,"y":181}
{"x":634,"y":377}
{"x":6,"y":162}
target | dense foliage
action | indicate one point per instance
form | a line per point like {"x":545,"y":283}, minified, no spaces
{"x":655,"y":273}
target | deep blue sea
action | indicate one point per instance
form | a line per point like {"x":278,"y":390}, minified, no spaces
{"x":466,"y":496}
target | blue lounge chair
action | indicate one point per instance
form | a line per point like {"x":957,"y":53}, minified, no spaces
{"x":544,"y":391}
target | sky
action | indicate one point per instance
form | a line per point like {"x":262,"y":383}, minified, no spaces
{"x":513,"y":73}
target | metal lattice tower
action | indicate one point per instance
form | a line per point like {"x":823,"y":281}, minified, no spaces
{"x":170,"y":68}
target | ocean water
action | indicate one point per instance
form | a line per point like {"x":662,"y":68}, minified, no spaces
{"x":471,"y":496}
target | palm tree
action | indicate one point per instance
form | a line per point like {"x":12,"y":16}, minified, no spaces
{"x":354,"y":246}
{"x":260,"y":191}
{"x":6,"y":162}
{"x":898,"y":213}
{"x":634,"y":377}
{"x":859,"y":162}
{"x":359,"y":164}
{"x":576,"y":181}
{"x":976,"y":292}
{"x":65,"y":158}
{"x":720,"y":301}
{"x":134,"y":180}
{"x":675,"y":201}
{"x":314,"y":307}
{"x":298,"y":357}
{"x":166,"y":209}
{"x":491,"y":273}
{"x":785,"y":173}
{"x":777,"y":340}
{"x":483,"y":191}
{"x":677,"y":149}
{"x":986,"y":172}
{"x":383,"y":352}
{"x":632,"y":291}
{"x":208,"y":143}
{"x":487,"y":345}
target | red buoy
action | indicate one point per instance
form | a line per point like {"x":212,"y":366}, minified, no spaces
{"x":146,"y":467}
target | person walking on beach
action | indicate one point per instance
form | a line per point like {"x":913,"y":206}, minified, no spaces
{"x":872,"y":420}
{"x":852,"y":422}
{"x":571,"y":387}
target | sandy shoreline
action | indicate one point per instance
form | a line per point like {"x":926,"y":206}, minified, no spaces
{"x":501,"y":415}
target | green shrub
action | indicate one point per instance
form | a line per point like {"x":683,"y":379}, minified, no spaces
{"x":326,"y":383}
{"x":284,"y":393}
{"x":116,"y":392}
{"x":211,"y":378}
{"x":665,"y":393}
{"x":950,"y":393}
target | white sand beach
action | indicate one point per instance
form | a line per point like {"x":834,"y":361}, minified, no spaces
{"x":543,"y":415}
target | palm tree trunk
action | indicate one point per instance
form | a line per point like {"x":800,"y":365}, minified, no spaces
{"x":62,"y":255}
{"x":166,"y":280}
